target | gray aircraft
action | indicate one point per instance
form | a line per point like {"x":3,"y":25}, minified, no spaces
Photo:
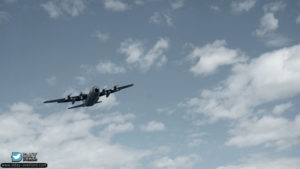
{"x":88,"y":99}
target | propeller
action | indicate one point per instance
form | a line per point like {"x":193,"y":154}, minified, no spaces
{"x":116,"y":88}
{"x":81,"y":95}
{"x":69,"y":96}
{"x":107,"y":92}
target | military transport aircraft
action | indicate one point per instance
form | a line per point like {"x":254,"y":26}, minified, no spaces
{"x":88,"y":99}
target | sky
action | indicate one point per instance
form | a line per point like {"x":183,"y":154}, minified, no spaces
{"x":216,"y":83}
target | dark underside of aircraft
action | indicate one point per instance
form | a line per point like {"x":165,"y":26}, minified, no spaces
{"x":90,"y":98}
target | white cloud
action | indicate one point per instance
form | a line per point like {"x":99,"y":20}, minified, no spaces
{"x":153,"y":126}
{"x":167,"y":110}
{"x":271,"y":76}
{"x":88,"y":69}
{"x":268,"y":23}
{"x":195,"y":142}
{"x":116,"y":5}
{"x":162,"y":17}
{"x":115,"y":117}
{"x":261,"y":162}
{"x":139,"y":2}
{"x":58,"y":8}
{"x":176,"y":4}
{"x":53,"y":10}
{"x":166,"y":16}
{"x":275,"y":40}
{"x":215,"y":8}
{"x":298,"y":20}
{"x":103,"y":67}
{"x":195,"y":139}
{"x":274,"y":6}
{"x":109,"y":68}
{"x":4,"y":16}
{"x":113,"y":129}
{"x":58,"y":137}
{"x":267,"y":131}
{"x":143,"y":2}
{"x":240,"y":6}
{"x":72,"y":91}
{"x":211,"y":56}
{"x":162,"y":61}
{"x":73,"y":7}
{"x":281,"y":108}
{"x":179,"y":162}
{"x":51,"y":80}
{"x":101,"y":36}
{"x":124,"y":5}
{"x":107,"y":103}
{"x":21,"y":107}
{"x":134,"y":50}
{"x":156,"y":52}
{"x":81,"y":80}
{"x":163,"y":150}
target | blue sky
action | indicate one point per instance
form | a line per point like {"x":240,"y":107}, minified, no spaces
{"x":216,"y":83}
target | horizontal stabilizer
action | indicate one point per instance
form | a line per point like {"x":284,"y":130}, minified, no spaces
{"x":123,"y":87}
{"x":56,"y":100}
{"x":80,"y":105}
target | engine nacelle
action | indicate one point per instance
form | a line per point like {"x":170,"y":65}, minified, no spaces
{"x":107,"y":93}
{"x":81,"y":96}
{"x":69,"y":97}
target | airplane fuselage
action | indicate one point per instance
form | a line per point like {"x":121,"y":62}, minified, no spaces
{"x":92,"y":97}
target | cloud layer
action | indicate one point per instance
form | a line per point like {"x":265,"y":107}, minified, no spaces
{"x":269,"y":24}
{"x":263,"y":162}
{"x":59,"y":8}
{"x":116,"y":5}
{"x":272,"y":76}
{"x":136,"y":55}
{"x":68,"y":139}
{"x":240,"y":6}
{"x":153,"y":126}
{"x":212,"y":56}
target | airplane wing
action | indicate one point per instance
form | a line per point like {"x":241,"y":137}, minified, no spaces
{"x":80,"y":105}
{"x":56,"y":100}
{"x":69,"y":98}
{"x":107,"y":92}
